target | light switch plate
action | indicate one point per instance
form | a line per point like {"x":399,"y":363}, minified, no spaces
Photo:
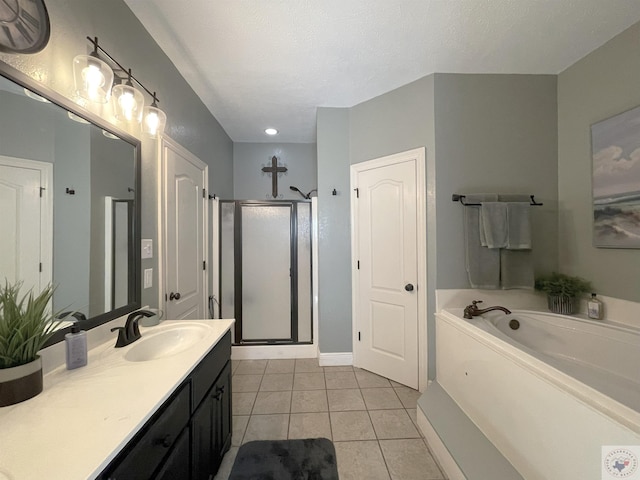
{"x":148,"y":277}
{"x":147,"y":248}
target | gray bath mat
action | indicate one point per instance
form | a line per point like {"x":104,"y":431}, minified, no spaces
{"x":309,"y":459}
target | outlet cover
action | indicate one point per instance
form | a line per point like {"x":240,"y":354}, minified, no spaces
{"x":148,"y":277}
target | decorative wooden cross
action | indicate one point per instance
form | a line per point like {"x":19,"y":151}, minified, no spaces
{"x":274,"y":170}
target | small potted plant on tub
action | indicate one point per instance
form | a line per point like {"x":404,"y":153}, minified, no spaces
{"x":563,"y":291}
{"x":26,"y":323}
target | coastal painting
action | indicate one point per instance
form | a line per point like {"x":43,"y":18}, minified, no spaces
{"x":615,"y":146}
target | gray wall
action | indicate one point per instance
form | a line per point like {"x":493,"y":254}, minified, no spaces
{"x":250,"y":183}
{"x":603,"y":84}
{"x":495,"y":133}
{"x":481,"y":132}
{"x":334,"y":235}
{"x":122,"y":35}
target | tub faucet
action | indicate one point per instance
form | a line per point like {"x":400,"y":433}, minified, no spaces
{"x":472,"y":310}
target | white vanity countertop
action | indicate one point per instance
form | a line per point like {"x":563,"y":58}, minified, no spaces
{"x":84,"y":417}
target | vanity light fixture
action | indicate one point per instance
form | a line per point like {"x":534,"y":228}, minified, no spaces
{"x":127,"y":101}
{"x":154,"y":119}
{"x":94,"y":79}
{"x":92,"y":76}
{"x":77,"y":118}
{"x":35,"y":96}
{"x":271,"y":131}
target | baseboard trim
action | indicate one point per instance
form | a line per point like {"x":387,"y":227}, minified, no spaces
{"x":261,"y":352}
{"x":335,"y":359}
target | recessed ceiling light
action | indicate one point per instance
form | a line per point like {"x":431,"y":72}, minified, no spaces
{"x":271,"y":131}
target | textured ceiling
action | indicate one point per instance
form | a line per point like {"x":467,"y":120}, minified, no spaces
{"x":261,"y":63}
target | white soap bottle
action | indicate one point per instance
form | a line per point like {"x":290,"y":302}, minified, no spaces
{"x":76,"y":347}
{"x":594,"y":308}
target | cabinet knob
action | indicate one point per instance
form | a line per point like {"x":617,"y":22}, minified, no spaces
{"x":164,"y":441}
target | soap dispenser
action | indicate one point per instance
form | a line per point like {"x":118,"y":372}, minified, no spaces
{"x":594,"y":308}
{"x":76,"y":347}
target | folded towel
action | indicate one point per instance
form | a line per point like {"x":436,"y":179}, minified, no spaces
{"x":516,"y":269}
{"x":494,"y":228}
{"x":518,"y":226}
{"x":482,"y":264}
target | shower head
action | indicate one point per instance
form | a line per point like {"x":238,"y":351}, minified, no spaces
{"x":296,"y":189}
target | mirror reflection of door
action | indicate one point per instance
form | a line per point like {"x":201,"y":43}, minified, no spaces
{"x":25,"y":238}
{"x":119,"y":214}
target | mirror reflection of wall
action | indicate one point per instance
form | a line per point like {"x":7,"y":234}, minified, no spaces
{"x":86,"y":167}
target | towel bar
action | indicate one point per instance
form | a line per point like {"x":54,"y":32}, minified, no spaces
{"x":456,"y":197}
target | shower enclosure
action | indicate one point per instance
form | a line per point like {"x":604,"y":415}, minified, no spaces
{"x":265,"y":271}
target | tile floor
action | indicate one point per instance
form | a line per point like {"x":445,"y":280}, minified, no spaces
{"x":370,"y":419}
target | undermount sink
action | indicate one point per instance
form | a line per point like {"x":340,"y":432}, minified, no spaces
{"x":171,"y":340}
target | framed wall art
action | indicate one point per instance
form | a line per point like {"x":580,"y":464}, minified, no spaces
{"x":615,"y":144}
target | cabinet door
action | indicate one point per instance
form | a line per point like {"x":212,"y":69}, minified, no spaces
{"x":211,"y":428}
{"x":202,"y":435}
{"x":177,"y":465}
{"x":223,"y":417}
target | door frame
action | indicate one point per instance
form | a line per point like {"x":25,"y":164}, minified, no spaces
{"x":419,"y":156}
{"x":165,"y":140}
{"x":46,"y":210}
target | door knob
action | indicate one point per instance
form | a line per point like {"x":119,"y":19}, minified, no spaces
{"x":408,"y":287}
{"x":174,"y":296}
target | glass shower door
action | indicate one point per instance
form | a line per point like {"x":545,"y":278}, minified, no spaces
{"x":266,"y":272}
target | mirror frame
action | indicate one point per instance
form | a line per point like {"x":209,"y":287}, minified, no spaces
{"x":134,"y":276}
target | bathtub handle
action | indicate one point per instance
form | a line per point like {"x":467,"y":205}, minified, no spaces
{"x":408,"y":287}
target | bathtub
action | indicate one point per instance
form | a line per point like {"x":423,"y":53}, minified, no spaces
{"x":549,"y":393}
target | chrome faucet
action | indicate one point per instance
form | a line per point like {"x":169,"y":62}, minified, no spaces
{"x":131,"y":332}
{"x":472,"y":310}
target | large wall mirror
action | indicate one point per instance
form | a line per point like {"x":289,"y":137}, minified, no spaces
{"x":70,"y":202}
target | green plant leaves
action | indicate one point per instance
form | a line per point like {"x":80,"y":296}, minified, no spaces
{"x":561,"y":284}
{"x":26,"y":323}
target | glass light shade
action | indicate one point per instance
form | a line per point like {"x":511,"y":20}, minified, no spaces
{"x":127,"y":103}
{"x":93,"y":78}
{"x":153,"y":121}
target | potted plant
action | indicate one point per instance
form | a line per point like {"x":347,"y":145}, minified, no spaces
{"x":26,"y":323}
{"x":563,"y":291}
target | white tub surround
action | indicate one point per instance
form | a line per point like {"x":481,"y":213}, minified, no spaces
{"x":547,"y":424}
{"x":84,"y":417}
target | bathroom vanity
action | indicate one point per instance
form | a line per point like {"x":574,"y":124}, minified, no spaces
{"x":159,"y":408}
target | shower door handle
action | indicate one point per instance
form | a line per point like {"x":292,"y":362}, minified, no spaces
{"x":174,"y":296}
{"x":408,"y":287}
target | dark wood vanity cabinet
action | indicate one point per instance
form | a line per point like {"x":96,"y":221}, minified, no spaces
{"x":188,"y":436}
{"x":211,"y":428}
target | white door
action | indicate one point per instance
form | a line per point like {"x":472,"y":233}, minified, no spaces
{"x":26,"y":238}
{"x":185,"y":232}
{"x":387,"y":277}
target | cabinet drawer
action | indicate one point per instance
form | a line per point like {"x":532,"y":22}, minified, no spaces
{"x":146,"y":451}
{"x":206,"y":373}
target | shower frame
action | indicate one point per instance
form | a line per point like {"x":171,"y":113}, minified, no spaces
{"x":293,"y":283}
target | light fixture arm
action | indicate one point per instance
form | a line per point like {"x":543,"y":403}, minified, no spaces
{"x":96,"y":47}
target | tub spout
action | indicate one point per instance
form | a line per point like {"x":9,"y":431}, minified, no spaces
{"x":472,"y":310}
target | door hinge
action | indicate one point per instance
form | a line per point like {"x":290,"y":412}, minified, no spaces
{"x":358,"y":264}
{"x":42,"y":189}
{"x":204,"y":193}
{"x":40,"y":267}
{"x":357,"y":190}
{"x":204,"y":264}
{"x":358,"y":336}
